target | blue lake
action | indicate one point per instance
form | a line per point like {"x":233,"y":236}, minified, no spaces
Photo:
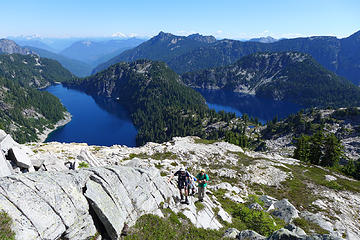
{"x":105,"y":122}
{"x":263,"y":109}
{"x":94,"y":121}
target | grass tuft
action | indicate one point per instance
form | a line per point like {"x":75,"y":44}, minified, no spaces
{"x":6,"y":232}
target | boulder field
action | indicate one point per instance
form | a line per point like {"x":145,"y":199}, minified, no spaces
{"x":76,"y":191}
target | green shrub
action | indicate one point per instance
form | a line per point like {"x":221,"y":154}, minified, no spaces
{"x":259,"y":221}
{"x":159,"y":166}
{"x":5,"y":227}
{"x":83,"y":165}
{"x":245,"y":218}
{"x":204,"y":141}
{"x":199,"y":206}
{"x":252,"y":198}
{"x":309,"y":227}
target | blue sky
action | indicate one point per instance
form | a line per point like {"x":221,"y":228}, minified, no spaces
{"x":239,"y":19}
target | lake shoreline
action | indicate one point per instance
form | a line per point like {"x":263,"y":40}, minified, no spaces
{"x":43,"y":136}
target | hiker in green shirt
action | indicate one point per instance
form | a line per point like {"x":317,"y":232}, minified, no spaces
{"x":202,"y":179}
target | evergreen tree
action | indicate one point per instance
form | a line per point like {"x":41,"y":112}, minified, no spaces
{"x":350,"y":168}
{"x":332,"y":151}
{"x":316,"y":147}
{"x":302,"y":150}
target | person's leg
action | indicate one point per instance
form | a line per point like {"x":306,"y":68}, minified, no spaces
{"x":181,"y":195}
{"x":186,"y":193}
{"x":201,"y":193}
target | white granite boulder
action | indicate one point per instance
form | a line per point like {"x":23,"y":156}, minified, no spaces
{"x":5,"y":169}
{"x":17,"y":155}
{"x":7,"y":142}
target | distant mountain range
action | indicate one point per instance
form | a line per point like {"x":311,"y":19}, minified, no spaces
{"x":96,"y":52}
{"x":76,"y":67}
{"x":163,"y":47}
{"x":267,"y":39}
{"x":290,"y":76}
{"x":184,"y":54}
{"x":79,"y":57}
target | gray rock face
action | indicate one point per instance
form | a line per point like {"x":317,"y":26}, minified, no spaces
{"x":19,"y":157}
{"x":5,"y":170}
{"x":87,"y":156}
{"x":50,"y":205}
{"x":2,"y":134}
{"x":267,"y":200}
{"x":231,"y":233}
{"x":295,"y":229}
{"x":292,"y":232}
{"x":255,"y":206}
{"x":51,"y":162}
{"x":285,"y":210}
{"x":10,"y":47}
{"x":284,"y":234}
{"x":250,"y":235}
{"x":105,"y":208}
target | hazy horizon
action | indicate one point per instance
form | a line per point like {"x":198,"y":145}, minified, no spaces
{"x":144,"y":19}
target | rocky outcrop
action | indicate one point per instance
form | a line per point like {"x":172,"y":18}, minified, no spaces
{"x":10,"y":47}
{"x":19,"y":157}
{"x":132,"y":181}
{"x":249,"y":169}
{"x":5,"y":169}
{"x":73,"y":204}
{"x":51,"y":205}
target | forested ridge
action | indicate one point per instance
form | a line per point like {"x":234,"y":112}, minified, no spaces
{"x":25,"y":111}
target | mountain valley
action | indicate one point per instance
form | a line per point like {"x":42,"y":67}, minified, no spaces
{"x":290,"y":178}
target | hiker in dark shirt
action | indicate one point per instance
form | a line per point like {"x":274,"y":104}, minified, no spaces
{"x":183,"y":182}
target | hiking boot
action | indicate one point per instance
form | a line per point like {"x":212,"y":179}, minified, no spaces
{"x":187,"y":201}
{"x":182,"y":198}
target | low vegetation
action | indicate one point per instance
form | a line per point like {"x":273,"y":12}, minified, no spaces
{"x":308,"y":226}
{"x":173,"y":226}
{"x":155,"y":156}
{"x":245,"y":218}
{"x":6,"y":233}
{"x":83,"y":165}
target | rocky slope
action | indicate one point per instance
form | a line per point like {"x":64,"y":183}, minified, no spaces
{"x":124,"y":183}
{"x":289,"y":76}
{"x":9,"y":47}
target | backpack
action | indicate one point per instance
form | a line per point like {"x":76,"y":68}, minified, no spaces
{"x":204,"y":178}
{"x":184,"y":177}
